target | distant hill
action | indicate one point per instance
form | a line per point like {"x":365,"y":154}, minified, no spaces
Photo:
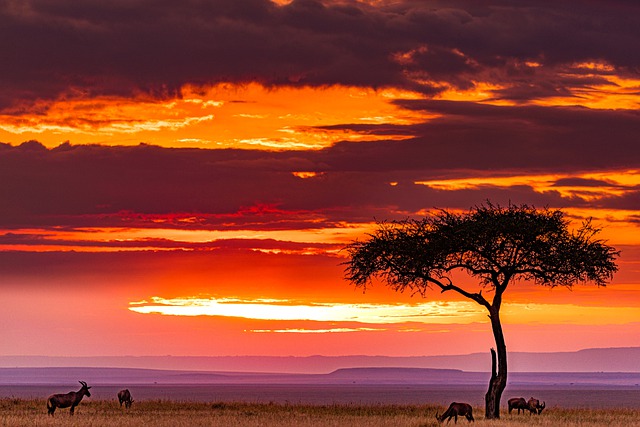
{"x":362,"y":376}
{"x":625,"y":359}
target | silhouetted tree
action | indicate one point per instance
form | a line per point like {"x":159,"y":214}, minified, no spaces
{"x":495,"y":245}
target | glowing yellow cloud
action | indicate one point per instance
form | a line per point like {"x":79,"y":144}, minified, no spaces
{"x":314,"y":331}
{"x":431,"y":312}
{"x":305,"y":175}
{"x":428,"y":312}
{"x":615,"y":183}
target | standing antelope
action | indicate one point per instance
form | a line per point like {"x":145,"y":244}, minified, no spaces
{"x":72,"y":399}
{"x":124,"y":396}
{"x":517,"y":403}
{"x":455,"y":409}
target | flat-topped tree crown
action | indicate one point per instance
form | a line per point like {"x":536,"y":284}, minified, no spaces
{"x":495,"y":245}
{"x":491,"y":243}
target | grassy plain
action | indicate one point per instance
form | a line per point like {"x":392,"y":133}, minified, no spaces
{"x":32,"y":412}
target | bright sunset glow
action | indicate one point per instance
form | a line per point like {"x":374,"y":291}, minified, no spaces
{"x":183,"y":179}
{"x":430,"y":312}
{"x":435,"y":312}
{"x":313,"y":331}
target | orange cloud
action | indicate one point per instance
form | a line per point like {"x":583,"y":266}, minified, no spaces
{"x":220,"y":116}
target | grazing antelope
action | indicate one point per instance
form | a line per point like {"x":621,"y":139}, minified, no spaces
{"x":72,"y":399}
{"x":518,"y":403}
{"x":125,"y":397}
{"x":535,"y":407}
{"x":455,"y":409}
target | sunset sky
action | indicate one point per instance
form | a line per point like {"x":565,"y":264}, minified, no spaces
{"x":180,"y":177}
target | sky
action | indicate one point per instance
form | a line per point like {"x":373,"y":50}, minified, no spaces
{"x":181,"y":178}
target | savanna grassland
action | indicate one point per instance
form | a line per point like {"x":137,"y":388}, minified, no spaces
{"x":32,"y":412}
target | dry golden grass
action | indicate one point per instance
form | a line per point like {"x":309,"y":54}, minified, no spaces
{"x":23,"y":412}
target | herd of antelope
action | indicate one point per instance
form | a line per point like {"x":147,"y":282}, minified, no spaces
{"x":455,"y":410}
{"x":73,"y":398}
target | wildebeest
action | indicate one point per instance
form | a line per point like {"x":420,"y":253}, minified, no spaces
{"x":124,"y":396}
{"x":72,"y":399}
{"x":518,"y":403}
{"x":535,"y":407}
{"x":455,"y":409}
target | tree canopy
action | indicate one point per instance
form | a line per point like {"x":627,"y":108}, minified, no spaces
{"x":490,"y":243}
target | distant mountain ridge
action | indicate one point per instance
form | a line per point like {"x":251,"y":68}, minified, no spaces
{"x":361,"y":376}
{"x":622,"y":359}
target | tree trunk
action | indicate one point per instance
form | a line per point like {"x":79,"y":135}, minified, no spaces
{"x":498,"y":380}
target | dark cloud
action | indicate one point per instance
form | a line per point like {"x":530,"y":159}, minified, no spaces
{"x":583,"y":182}
{"x":59,"y":48}
{"x":500,"y":138}
{"x":630,"y":200}
{"x":229,"y":245}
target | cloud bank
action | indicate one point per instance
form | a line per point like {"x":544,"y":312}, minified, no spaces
{"x":529,"y":49}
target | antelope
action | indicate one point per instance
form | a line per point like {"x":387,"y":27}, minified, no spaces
{"x":72,"y":399}
{"x":517,"y":403}
{"x":124,"y":396}
{"x":535,"y":407}
{"x":455,"y":409}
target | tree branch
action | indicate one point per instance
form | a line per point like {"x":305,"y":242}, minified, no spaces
{"x":475,"y":297}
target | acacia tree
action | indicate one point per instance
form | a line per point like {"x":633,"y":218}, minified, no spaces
{"x":495,"y":245}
